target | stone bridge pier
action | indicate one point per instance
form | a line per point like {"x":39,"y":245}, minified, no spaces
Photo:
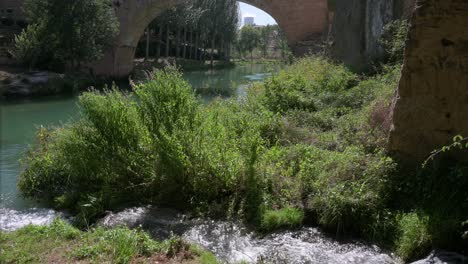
{"x":432,"y":103}
{"x":302,"y":21}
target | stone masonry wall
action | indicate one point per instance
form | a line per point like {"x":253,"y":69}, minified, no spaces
{"x":432,"y":103}
{"x":358,"y":26}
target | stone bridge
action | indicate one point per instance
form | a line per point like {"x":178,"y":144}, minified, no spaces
{"x":301,"y":20}
{"x":432,"y":102}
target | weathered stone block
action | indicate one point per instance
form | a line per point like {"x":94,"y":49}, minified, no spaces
{"x":432,"y":106}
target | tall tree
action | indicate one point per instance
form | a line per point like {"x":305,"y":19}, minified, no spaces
{"x":212,"y":22}
{"x":249,"y":39}
{"x":77,"y":31}
{"x":266,"y":33}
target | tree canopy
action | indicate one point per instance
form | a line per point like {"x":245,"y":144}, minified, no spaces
{"x":249,"y":38}
{"x":65,"y":32}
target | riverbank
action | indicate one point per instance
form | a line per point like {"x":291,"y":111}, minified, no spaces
{"x":178,"y":239}
{"x":20,"y":83}
{"x":62,"y":243}
{"x":229,"y":241}
{"x":307,"y":146}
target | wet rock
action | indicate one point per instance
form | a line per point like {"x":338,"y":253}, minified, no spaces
{"x":443,"y":257}
{"x":34,"y":84}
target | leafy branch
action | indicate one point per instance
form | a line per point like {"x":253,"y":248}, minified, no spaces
{"x":459,"y":142}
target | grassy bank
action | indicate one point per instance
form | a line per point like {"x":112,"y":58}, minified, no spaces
{"x":62,"y":243}
{"x":307,"y":145}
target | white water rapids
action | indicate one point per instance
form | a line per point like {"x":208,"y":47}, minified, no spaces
{"x":233,"y":243}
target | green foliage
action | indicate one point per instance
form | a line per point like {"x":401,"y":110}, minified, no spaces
{"x":121,"y":244}
{"x":266,"y":34}
{"x":262,"y":40}
{"x":93,"y":163}
{"x":213,"y":22}
{"x":206,"y":257}
{"x":307,"y":85}
{"x":394,"y":38}
{"x":283,"y":218}
{"x":63,"y":243}
{"x":65,"y":32}
{"x":27,"y":244}
{"x":459,"y":143}
{"x":249,"y":39}
{"x":34,"y":46}
{"x":309,"y":141}
{"x":437,"y":190}
{"x":163,"y":145}
{"x":349,"y":187}
{"x":414,"y":239}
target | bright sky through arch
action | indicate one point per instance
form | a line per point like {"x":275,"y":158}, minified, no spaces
{"x":261,"y":18}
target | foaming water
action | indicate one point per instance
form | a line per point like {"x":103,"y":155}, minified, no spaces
{"x":11,"y":219}
{"x":258,"y":76}
{"x":233,"y":243}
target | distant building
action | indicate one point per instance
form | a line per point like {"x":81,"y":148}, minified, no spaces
{"x":249,"y":21}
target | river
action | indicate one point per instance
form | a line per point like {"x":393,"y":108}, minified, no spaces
{"x":229,"y":241}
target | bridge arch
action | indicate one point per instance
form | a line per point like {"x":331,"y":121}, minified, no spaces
{"x":301,"y":20}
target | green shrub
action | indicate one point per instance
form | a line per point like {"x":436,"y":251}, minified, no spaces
{"x":348,"y":187}
{"x":283,"y":218}
{"x":414,"y":239}
{"x":66,"y":33}
{"x":95,"y":162}
{"x":150,"y":147}
{"x":306,"y":85}
{"x":34,"y":48}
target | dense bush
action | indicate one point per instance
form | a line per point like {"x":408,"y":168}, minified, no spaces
{"x":34,"y":47}
{"x":309,"y":142}
{"x":307,"y":85}
{"x":162,"y":147}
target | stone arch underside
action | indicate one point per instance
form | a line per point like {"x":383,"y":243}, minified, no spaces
{"x":301,"y":20}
